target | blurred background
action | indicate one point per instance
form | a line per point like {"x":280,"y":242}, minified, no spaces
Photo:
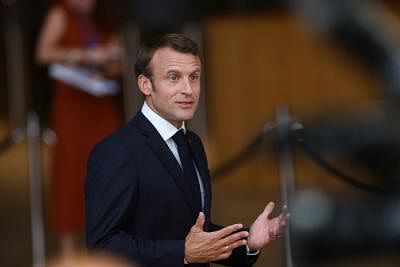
{"x":300,"y":105}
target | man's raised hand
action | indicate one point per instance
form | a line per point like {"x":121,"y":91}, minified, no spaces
{"x":201,"y":247}
{"x":264,"y":229}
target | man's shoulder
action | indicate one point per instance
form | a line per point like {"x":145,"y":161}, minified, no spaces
{"x":120,"y":141}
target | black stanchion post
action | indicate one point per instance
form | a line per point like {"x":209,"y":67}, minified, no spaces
{"x":283,"y":121}
{"x":35,"y":177}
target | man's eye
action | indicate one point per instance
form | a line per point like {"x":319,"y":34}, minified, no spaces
{"x":193,"y":77}
{"x":173,"y":78}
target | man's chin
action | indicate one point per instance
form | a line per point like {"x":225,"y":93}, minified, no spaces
{"x":185,"y":114}
{"x":186,"y":117}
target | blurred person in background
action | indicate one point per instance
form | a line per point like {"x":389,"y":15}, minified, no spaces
{"x":76,"y":33}
{"x":90,"y":260}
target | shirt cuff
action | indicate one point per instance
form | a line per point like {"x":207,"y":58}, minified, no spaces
{"x":185,"y":261}
{"x":251,"y":253}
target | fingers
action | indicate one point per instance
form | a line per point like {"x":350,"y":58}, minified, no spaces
{"x":285,"y":213}
{"x":284,"y":216}
{"x":200,"y":221}
{"x":234,"y":245}
{"x":268,"y":209}
{"x":232,"y":241}
{"x":227,"y":230}
{"x":226,"y":251}
{"x":284,"y":220}
{"x":280,"y":222}
{"x":233,"y":238}
{"x":203,"y":246}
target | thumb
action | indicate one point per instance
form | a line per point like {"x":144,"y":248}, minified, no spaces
{"x":268,"y":209}
{"x":200,"y":221}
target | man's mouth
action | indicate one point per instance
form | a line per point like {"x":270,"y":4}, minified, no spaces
{"x":185,"y":104}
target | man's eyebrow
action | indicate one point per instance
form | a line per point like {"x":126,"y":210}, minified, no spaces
{"x":196,"y":70}
{"x":179,"y":71}
{"x":172,"y":70}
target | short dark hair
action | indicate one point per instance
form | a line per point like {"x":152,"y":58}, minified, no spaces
{"x":176,"y":41}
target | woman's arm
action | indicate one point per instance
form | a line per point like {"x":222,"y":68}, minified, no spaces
{"x":50,"y":51}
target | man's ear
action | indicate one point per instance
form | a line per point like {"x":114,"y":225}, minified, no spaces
{"x":145,"y":85}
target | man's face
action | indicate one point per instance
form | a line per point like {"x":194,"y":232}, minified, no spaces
{"x":174,"y":89}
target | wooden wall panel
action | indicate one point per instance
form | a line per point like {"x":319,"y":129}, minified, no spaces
{"x":256,"y":63}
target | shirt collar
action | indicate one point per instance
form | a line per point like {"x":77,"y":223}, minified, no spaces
{"x":163,"y":127}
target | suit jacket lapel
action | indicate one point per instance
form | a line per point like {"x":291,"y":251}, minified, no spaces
{"x":201,"y":164}
{"x":164,"y":154}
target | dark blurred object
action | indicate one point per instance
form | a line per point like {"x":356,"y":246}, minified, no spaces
{"x":325,"y":228}
{"x":15,"y":68}
{"x":91,"y":260}
{"x":3,"y":83}
{"x":363,"y":28}
{"x":245,"y":5}
{"x":369,"y":139}
{"x":159,"y":15}
{"x":164,"y":15}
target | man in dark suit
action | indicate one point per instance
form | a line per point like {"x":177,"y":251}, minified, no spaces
{"x":148,"y":192}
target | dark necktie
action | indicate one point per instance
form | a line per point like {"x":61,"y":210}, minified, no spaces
{"x":191,"y":181}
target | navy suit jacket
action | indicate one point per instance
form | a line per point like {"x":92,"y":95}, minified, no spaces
{"x":136,"y":205}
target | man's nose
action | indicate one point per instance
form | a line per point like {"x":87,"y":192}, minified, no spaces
{"x":187,"y":87}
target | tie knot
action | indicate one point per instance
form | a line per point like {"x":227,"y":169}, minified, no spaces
{"x":180,"y":138}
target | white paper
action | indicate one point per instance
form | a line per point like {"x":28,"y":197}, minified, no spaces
{"x":83,"y":79}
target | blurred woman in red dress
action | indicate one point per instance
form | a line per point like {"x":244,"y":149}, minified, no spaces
{"x":73,"y":34}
